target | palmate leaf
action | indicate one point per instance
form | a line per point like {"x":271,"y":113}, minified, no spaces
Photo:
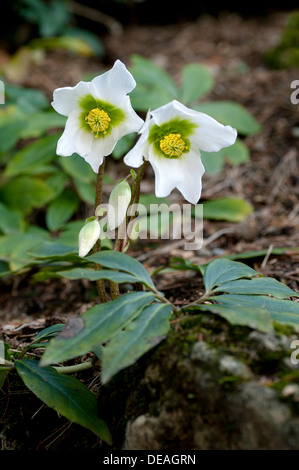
{"x":281,"y":311}
{"x":235,"y":292}
{"x":142,"y":334}
{"x":67,"y":395}
{"x":95,"y":327}
{"x":223,"y":270}
{"x":258,"y":286}
{"x":122,"y":262}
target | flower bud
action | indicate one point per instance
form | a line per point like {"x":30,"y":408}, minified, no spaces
{"x":88,"y":236}
{"x":119,"y":201}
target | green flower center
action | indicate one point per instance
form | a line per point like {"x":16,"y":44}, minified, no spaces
{"x":172,"y":139}
{"x":98,"y":120}
{"x":173,"y":145}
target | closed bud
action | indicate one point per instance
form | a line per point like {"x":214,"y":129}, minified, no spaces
{"x":88,"y":236}
{"x":119,"y":201}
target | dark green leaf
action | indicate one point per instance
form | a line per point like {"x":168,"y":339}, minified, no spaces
{"x":122,"y":262}
{"x":258,"y":286}
{"x":50,"y":331}
{"x":142,"y":334}
{"x":61,"y":209}
{"x":282,"y":311}
{"x":66,"y":395}
{"x":222,"y":270}
{"x":10,"y":221}
{"x":40,"y":152}
{"x":25,"y":192}
{"x":241,"y":314}
{"x":92,"y":275}
{"x":95,"y":327}
{"x":77,"y":167}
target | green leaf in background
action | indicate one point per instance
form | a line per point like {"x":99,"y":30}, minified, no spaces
{"x":154,"y":86}
{"x":122,"y":262}
{"x":258,"y":286}
{"x":70,"y":43}
{"x":40,"y":122}
{"x":227,"y":208}
{"x":90,"y":38}
{"x":27,"y":100}
{"x":25,"y":192}
{"x":51,"y":17}
{"x":52,"y":250}
{"x":142,"y":334}
{"x":10,"y":221}
{"x":234,"y":114}
{"x":197,"y":81}
{"x":123,"y":146}
{"x":61,"y":209}
{"x":235,"y":155}
{"x":14,"y":247}
{"x":40,"y":152}
{"x":76,"y":167}
{"x":66,"y":395}
{"x":86,"y":191}
{"x":10,"y":133}
{"x":222,"y":270}
{"x":95,"y":327}
{"x":50,"y":331}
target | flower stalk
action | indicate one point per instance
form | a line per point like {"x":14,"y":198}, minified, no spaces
{"x":97,"y":247}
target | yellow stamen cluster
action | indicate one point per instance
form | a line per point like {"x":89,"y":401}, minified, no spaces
{"x":173,"y":145}
{"x":98,"y":120}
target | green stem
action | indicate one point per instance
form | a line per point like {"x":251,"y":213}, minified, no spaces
{"x":199,"y":301}
{"x":98,"y":200}
{"x":122,"y":240}
{"x":74,"y":368}
{"x":135,"y":194}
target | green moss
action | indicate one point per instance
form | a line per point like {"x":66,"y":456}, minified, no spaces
{"x":286,"y":53}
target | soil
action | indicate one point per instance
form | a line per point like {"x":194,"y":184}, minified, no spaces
{"x":233,"y":49}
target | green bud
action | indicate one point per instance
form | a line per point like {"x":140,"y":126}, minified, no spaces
{"x":88,"y":236}
{"x":119,"y":201}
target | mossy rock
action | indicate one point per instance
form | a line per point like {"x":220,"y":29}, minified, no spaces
{"x":286,"y":53}
{"x":209,"y":385}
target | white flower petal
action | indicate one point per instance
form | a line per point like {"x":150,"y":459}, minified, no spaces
{"x":184,"y":173}
{"x":212,"y":136}
{"x":193,"y":170}
{"x":66,"y":98}
{"x":83,"y":142}
{"x":167,"y":173}
{"x":169,"y":111}
{"x":112,"y":85}
{"x":135,"y":156}
{"x":131,"y":123}
{"x":66,"y":145}
{"x":100,"y":148}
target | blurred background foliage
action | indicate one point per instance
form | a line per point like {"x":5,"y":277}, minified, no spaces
{"x":43,"y":198}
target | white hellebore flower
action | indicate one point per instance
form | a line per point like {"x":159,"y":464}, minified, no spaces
{"x":99,"y":113}
{"x":88,"y":236}
{"x":171,"y":140}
